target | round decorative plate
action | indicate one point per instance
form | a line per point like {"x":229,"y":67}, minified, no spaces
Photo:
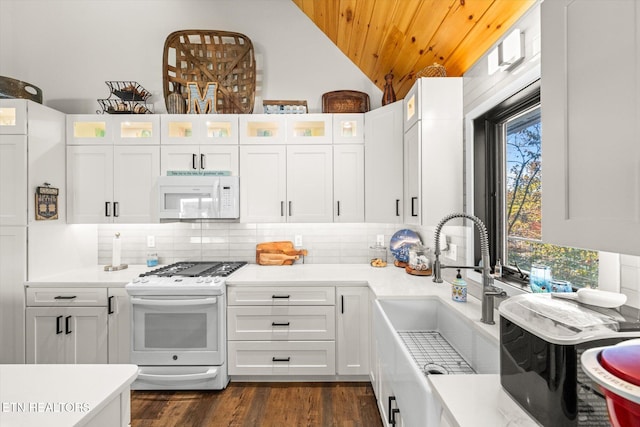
{"x":400,"y":243}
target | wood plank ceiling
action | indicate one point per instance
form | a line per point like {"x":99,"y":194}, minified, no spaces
{"x":404,"y":36}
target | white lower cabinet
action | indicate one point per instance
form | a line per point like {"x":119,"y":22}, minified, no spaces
{"x":119,"y":325}
{"x":282,"y":358}
{"x":281,"y":330}
{"x":77,"y":325}
{"x":352,"y":332}
{"x":298,"y":330}
{"x":66,"y":334}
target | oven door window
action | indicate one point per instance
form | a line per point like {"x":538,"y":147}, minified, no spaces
{"x":175,"y":330}
{"x":162,"y":324}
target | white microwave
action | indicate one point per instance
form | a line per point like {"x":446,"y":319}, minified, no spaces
{"x":199,"y":197}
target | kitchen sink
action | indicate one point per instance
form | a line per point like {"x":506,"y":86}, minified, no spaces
{"x":419,"y":337}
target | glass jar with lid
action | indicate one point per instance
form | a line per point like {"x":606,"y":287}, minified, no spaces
{"x":378,"y":255}
{"x":419,"y":260}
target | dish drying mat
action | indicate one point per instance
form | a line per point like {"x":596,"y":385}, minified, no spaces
{"x":434,"y":354}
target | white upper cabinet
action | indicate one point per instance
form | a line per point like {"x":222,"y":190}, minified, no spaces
{"x":348,"y":183}
{"x":112,"y":183}
{"x":13,"y":180}
{"x":310,"y":183}
{"x":433,"y":158}
{"x":309,"y":129}
{"x":590,"y":124}
{"x":13,"y":117}
{"x":128,"y":129}
{"x":383,"y":164}
{"x":262,"y":129}
{"x":263,"y":185}
{"x":32,"y":152}
{"x":219,"y":129}
{"x":205,"y":157}
{"x":348,"y":128}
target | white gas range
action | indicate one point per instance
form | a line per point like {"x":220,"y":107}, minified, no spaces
{"x":178,"y":324}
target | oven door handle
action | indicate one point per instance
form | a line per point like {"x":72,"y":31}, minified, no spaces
{"x":210,"y":374}
{"x":173,"y":302}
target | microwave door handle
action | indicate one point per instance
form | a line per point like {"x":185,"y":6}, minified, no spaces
{"x":216,"y":199}
{"x":210,"y":374}
{"x":172,"y":302}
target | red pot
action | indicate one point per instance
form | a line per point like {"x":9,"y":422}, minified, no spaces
{"x":616,"y":369}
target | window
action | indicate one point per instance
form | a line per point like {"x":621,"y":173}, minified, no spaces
{"x":508,"y":169}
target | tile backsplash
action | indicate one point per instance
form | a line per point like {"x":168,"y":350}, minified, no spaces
{"x":329,"y":243}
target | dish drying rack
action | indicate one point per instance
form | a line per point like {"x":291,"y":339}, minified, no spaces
{"x":125,"y":97}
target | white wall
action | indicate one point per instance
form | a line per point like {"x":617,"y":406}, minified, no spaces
{"x":69,"y":48}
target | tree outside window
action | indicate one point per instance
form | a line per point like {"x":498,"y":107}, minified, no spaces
{"x":523,"y":208}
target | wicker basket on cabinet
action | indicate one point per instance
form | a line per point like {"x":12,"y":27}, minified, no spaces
{"x":204,"y":56}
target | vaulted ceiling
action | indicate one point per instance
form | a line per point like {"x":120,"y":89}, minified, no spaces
{"x":402,"y":37}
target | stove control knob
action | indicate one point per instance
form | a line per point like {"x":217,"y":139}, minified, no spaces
{"x":145,"y":280}
{"x":136,"y":280}
{"x":207,"y":280}
{"x":217,"y":279}
{"x":199,"y":280}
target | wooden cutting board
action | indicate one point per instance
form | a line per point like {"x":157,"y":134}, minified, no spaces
{"x":277,"y":253}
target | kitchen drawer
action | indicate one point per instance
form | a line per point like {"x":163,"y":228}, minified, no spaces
{"x":281,"y":295}
{"x":282,"y":357}
{"x":85,"y":297}
{"x":282,"y":323}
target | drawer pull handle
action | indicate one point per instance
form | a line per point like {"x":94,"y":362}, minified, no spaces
{"x":280,"y":296}
{"x":281,"y":359}
{"x":394,"y":412}
{"x":110,"y":305}
{"x":65,"y":297}
{"x":279,"y":323}
{"x":391,"y":400}
{"x":58,"y":326}
{"x":66,"y":325}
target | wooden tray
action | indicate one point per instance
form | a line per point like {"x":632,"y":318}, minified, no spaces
{"x":209,"y":56}
{"x":345,"y":101}
{"x":278,"y":253}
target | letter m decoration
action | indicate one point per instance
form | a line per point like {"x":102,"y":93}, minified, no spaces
{"x":201,"y":103}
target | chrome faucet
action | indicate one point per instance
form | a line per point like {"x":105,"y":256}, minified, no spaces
{"x":489,"y":291}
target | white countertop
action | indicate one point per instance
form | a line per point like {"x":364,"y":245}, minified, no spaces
{"x":59,"y":395}
{"x":91,"y":276}
{"x":457,"y":391}
{"x":477,"y":400}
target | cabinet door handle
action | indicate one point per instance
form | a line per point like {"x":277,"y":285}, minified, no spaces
{"x":394,"y":411}
{"x":65,"y":297}
{"x":110,"y":305}
{"x":338,"y":207}
{"x":391,"y":400}
{"x":342,"y":304}
{"x":194,"y":158}
{"x":281,"y":359}
{"x":107,"y":208}
{"x":280,"y":296}
{"x":202,"y":161}
{"x":397,"y":207}
{"x":279,"y":323}
{"x":58,"y":325}
{"x":290,"y":203}
{"x":282,"y":208}
{"x":413,"y":206}
{"x":116,"y":212}
{"x":67,"y":326}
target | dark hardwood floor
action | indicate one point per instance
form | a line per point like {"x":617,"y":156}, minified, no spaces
{"x":259,"y":404}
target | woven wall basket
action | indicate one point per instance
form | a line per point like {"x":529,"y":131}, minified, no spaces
{"x":204,"y":56}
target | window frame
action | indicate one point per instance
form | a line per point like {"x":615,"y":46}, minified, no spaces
{"x":489,"y":173}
